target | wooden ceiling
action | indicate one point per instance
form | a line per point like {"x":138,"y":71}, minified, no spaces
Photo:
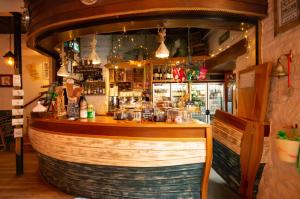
{"x":54,"y":21}
{"x":7,"y":25}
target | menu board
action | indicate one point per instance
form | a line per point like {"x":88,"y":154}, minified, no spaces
{"x":147,"y":114}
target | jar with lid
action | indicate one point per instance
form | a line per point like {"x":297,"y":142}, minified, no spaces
{"x":159,"y":115}
{"x":137,"y":115}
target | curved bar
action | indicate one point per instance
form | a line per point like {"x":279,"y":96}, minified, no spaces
{"x":105,"y":158}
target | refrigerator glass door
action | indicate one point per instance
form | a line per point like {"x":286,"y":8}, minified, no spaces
{"x":215,"y":98}
{"x":198,"y":94}
{"x":161,"y":92}
{"x":178,"y":93}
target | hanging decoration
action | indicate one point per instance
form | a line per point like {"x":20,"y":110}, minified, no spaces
{"x":94,"y":56}
{"x":203,"y":72}
{"x":162,"y":51}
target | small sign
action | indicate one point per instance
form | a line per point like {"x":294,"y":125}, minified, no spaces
{"x":17,"y":102}
{"x":18,"y":133}
{"x":16,"y":112}
{"x":17,"y":80}
{"x":16,"y":122}
{"x":18,"y":93}
{"x":147,"y":114}
{"x":87,"y":69}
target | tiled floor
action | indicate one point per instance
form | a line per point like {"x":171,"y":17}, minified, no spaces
{"x":30,"y":185}
{"x":217,"y":188}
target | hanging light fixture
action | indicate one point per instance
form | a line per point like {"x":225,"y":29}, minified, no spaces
{"x":94,"y":56}
{"x":162,"y":51}
{"x":62,"y":72}
{"x":9,"y":56}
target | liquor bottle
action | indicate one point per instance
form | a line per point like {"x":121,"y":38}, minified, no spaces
{"x":165,"y":74}
{"x":170,"y":74}
{"x":159,"y":74}
{"x":83,"y":105}
{"x":155,"y":74}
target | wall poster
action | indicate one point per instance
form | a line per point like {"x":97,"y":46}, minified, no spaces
{"x":287,"y":15}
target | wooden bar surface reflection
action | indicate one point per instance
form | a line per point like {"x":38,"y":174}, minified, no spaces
{"x":113,"y":159}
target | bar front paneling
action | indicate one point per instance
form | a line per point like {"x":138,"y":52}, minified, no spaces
{"x":127,"y":165}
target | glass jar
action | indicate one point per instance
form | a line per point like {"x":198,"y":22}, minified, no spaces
{"x":137,"y":115}
{"x":160,"y":115}
{"x":119,"y":114}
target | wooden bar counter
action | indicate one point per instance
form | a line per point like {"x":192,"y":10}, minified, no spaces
{"x":105,"y":158}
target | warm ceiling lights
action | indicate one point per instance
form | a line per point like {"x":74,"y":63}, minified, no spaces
{"x":9,"y":56}
{"x":94,"y":56}
{"x":162,"y":51}
{"x":62,"y":72}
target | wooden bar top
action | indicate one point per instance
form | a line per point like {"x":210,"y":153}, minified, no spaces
{"x":107,"y":126}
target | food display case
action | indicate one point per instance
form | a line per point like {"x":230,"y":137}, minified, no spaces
{"x":161,"y":92}
{"x":209,"y":97}
{"x":179,"y":91}
{"x":198,"y":95}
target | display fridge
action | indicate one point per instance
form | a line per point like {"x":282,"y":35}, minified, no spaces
{"x":161,"y":92}
{"x":179,"y":91}
{"x":208,"y":97}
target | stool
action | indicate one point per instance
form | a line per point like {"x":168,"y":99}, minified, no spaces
{"x":2,"y":135}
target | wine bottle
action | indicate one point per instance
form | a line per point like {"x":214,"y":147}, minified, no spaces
{"x":83,"y":107}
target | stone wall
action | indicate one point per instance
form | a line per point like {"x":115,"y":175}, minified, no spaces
{"x":281,"y":180}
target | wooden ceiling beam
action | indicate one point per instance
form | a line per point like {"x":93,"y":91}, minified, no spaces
{"x":231,"y":54}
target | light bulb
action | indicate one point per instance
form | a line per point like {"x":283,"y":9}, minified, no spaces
{"x":10,"y":61}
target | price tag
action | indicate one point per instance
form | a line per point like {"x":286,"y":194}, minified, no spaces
{"x":17,"y":80}
{"x":16,"y":122}
{"x":16,"y":112}
{"x":18,"y":92}
{"x":17,"y":102}
{"x":18,"y":133}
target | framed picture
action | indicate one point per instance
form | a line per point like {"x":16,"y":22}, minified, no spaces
{"x":6,"y":80}
{"x":287,"y":15}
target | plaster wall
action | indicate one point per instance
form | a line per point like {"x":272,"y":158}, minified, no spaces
{"x":281,"y":180}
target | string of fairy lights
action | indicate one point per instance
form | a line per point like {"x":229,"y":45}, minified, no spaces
{"x":131,"y":42}
{"x":244,"y":34}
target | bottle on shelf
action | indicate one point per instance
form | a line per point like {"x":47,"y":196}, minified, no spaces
{"x":83,"y":105}
{"x":155,"y":74}
{"x":159,"y":74}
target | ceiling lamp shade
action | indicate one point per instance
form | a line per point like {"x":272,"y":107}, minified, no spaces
{"x":62,"y":72}
{"x":162,"y":51}
{"x":94,"y":56}
{"x":9,"y":58}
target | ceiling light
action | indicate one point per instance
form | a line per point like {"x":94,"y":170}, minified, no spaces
{"x":162,"y":51}
{"x":9,"y":56}
{"x":94,"y":56}
{"x":62,"y":72}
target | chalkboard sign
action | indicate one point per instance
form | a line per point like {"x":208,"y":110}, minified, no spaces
{"x":147,"y":114}
{"x":86,"y":69}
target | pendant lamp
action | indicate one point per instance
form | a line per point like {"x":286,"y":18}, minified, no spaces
{"x":62,"y":72}
{"x":9,"y":56}
{"x":94,"y":56}
{"x":162,"y":51}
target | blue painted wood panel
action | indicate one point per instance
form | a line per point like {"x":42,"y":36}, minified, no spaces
{"x":94,"y":181}
{"x":227,"y":164}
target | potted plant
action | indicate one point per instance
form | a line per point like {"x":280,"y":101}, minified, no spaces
{"x":287,"y":144}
